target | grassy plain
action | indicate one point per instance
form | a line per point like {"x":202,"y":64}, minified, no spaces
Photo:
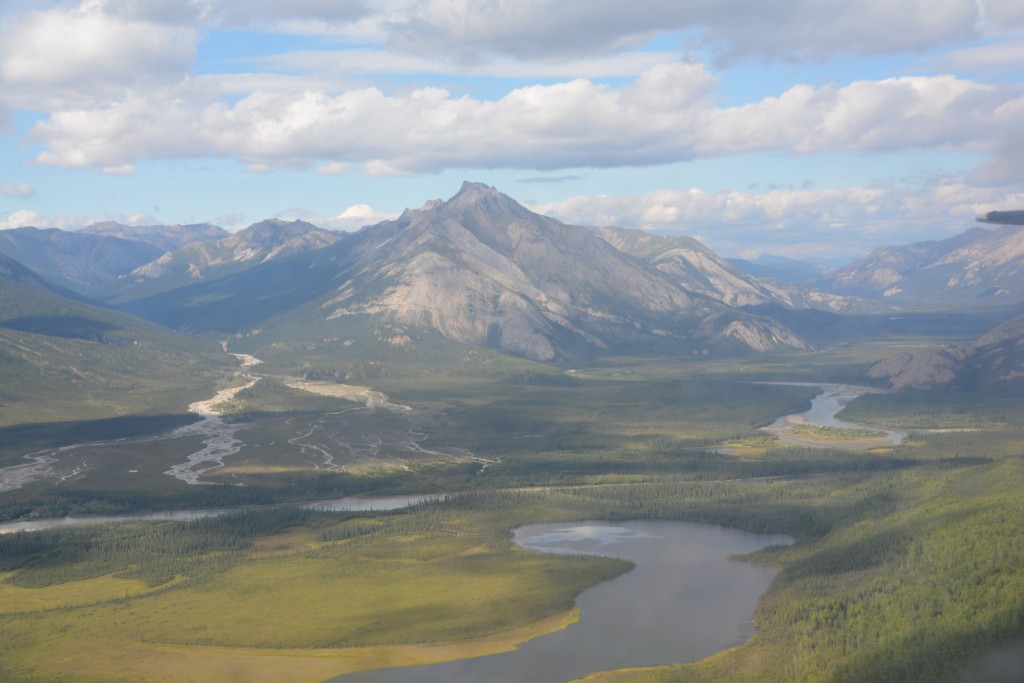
{"x":899,"y":555}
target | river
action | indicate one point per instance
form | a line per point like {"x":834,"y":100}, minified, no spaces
{"x":347,"y":504}
{"x":823,"y":411}
{"x":685,"y":600}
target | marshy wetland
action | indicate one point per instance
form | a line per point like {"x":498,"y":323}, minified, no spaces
{"x":445,"y":580}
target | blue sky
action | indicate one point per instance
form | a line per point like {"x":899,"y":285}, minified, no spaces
{"x":811,"y":128}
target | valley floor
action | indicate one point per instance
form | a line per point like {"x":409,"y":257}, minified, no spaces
{"x":902,"y":551}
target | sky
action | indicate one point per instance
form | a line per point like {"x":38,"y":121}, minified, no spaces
{"x":815,"y":129}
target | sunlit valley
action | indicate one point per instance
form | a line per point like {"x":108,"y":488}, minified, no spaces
{"x":511,"y":342}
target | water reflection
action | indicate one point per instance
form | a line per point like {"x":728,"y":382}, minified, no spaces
{"x":347,"y":504}
{"x":684,"y":601}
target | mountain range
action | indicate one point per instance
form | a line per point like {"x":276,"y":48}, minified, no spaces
{"x":478,"y":269}
{"x":998,"y":355}
{"x":979,"y":267}
{"x":481,"y":270}
{"x":211,"y":258}
{"x":163,"y":237}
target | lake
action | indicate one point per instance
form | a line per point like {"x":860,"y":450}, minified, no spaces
{"x":685,"y":600}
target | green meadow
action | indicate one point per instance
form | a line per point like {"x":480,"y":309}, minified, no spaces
{"x":900,"y":553}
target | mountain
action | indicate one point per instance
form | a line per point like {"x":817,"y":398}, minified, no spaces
{"x":997,"y":356}
{"x":81,"y":262}
{"x":781,"y":269}
{"x":976,"y":268}
{"x":13,"y":272}
{"x":695,"y":267}
{"x":62,"y":359}
{"x":163,"y":237}
{"x":259,"y":243}
{"x":700,"y":270}
{"x":478,"y":269}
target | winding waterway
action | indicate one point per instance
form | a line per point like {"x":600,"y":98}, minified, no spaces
{"x":823,"y":411}
{"x":685,"y":600}
{"x":347,"y":504}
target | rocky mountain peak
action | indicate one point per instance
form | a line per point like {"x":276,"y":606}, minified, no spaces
{"x":482,"y":198}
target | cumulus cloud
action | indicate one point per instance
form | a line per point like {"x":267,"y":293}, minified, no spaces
{"x":88,"y":49}
{"x":361,"y":61}
{"x":19,"y":190}
{"x":666,"y":114}
{"x":25,"y":218}
{"x":21,"y":219}
{"x":824,"y":223}
{"x":358,"y":215}
{"x":1002,"y":56}
{"x":332,"y":168}
{"x":469,"y":30}
{"x":1002,"y":15}
{"x":352,"y":218}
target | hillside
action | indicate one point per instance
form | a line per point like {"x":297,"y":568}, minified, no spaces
{"x":63,"y":360}
{"x":84,"y":263}
{"x":781,"y":268}
{"x":997,"y":356}
{"x":979,"y":267}
{"x":203,"y":260}
{"x":14,"y":272}
{"x":698,"y":269}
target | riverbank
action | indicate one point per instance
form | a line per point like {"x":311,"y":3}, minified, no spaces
{"x":831,"y":432}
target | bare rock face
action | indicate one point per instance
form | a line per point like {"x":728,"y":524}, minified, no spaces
{"x":699,"y":270}
{"x":977,"y":267}
{"x":482,"y":269}
{"x":996,"y":356}
{"x":198,"y":260}
{"x":695,"y":267}
{"x":477,"y":269}
{"x":754,"y":333}
{"x":920,"y":370}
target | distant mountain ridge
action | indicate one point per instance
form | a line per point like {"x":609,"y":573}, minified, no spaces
{"x":198,"y":260}
{"x":164,"y":237}
{"x":997,"y":355}
{"x":782,"y":269}
{"x":62,"y":358}
{"x":14,"y":272}
{"x":977,"y":267}
{"x":81,"y":262}
{"x":698,"y":269}
{"x":478,"y":269}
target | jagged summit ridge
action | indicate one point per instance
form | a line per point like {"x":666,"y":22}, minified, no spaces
{"x":477,"y":269}
{"x":483,"y":269}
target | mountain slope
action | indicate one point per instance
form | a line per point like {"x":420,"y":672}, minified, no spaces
{"x":81,"y":262}
{"x":698,"y":269}
{"x":261,"y":242}
{"x":977,"y":267}
{"x":781,"y":268}
{"x":478,"y":269}
{"x":163,"y":237}
{"x":62,"y":359}
{"x":13,"y":272}
{"x":997,"y":356}
{"x":695,"y":267}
